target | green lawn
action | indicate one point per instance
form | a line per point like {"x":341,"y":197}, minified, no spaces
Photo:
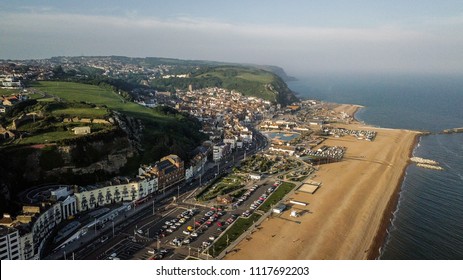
{"x":35,"y":96}
{"x":4,"y":91}
{"x":232,"y":233}
{"x":47,"y":137}
{"x":251,"y":82}
{"x":78,"y":92}
{"x":82,"y":112}
{"x":93,"y":94}
{"x":276,"y":196}
{"x":226,"y":185}
{"x":47,"y":99}
{"x":261,"y":77}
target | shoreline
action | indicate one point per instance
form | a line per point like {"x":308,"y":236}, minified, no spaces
{"x":351,"y":212}
{"x":386,"y":221}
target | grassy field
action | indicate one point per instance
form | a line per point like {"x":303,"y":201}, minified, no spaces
{"x":251,"y":82}
{"x":81,"y":112}
{"x":225,"y":185}
{"x":276,"y":196}
{"x":46,"y":99}
{"x":47,"y":137}
{"x":232,"y":233}
{"x":35,"y":96}
{"x":4,"y":91}
{"x":96,"y":95}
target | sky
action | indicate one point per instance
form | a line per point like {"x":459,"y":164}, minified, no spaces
{"x":302,"y":36}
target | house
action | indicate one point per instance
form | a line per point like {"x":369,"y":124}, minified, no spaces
{"x":279,"y":209}
{"x":81,"y":130}
{"x":231,"y":141}
{"x":220,"y":151}
{"x":169,"y":170}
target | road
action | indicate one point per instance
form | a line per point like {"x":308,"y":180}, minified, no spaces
{"x":123,"y":238}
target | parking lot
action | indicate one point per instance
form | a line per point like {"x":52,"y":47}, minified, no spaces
{"x":190,"y":230}
{"x":180,"y":231}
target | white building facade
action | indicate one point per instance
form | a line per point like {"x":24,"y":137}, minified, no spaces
{"x":9,"y":243}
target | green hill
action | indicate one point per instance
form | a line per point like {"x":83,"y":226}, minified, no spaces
{"x":165,"y":130}
{"x":249,"y":81}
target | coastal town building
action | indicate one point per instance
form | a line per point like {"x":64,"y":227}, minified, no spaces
{"x":81,"y":130}
{"x":9,"y":243}
{"x":220,"y":151}
{"x":33,"y":226}
{"x":68,"y":201}
{"x":118,"y":190}
{"x":10,"y":82}
{"x":169,"y":170}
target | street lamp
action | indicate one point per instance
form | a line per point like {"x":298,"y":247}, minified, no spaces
{"x":113,"y":228}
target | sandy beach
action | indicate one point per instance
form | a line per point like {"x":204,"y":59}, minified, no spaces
{"x":347,"y":216}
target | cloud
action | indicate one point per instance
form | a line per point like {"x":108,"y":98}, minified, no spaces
{"x":298,"y":48}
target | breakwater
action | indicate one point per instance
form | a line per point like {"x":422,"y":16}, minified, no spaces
{"x":426,"y":163}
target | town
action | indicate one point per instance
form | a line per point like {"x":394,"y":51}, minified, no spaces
{"x":256,"y":153}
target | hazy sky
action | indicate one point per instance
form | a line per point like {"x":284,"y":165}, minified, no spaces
{"x":301,"y":36}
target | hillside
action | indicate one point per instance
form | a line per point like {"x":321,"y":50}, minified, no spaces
{"x":249,"y":81}
{"x":48,"y":150}
{"x":165,"y":130}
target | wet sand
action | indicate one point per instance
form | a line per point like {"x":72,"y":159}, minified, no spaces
{"x":347,"y":216}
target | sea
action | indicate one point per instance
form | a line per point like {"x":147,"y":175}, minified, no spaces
{"x":428,"y":221}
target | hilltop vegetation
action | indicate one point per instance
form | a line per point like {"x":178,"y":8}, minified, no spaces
{"x":247,"y":80}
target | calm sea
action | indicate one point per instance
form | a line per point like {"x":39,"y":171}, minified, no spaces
{"x":428,"y":221}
